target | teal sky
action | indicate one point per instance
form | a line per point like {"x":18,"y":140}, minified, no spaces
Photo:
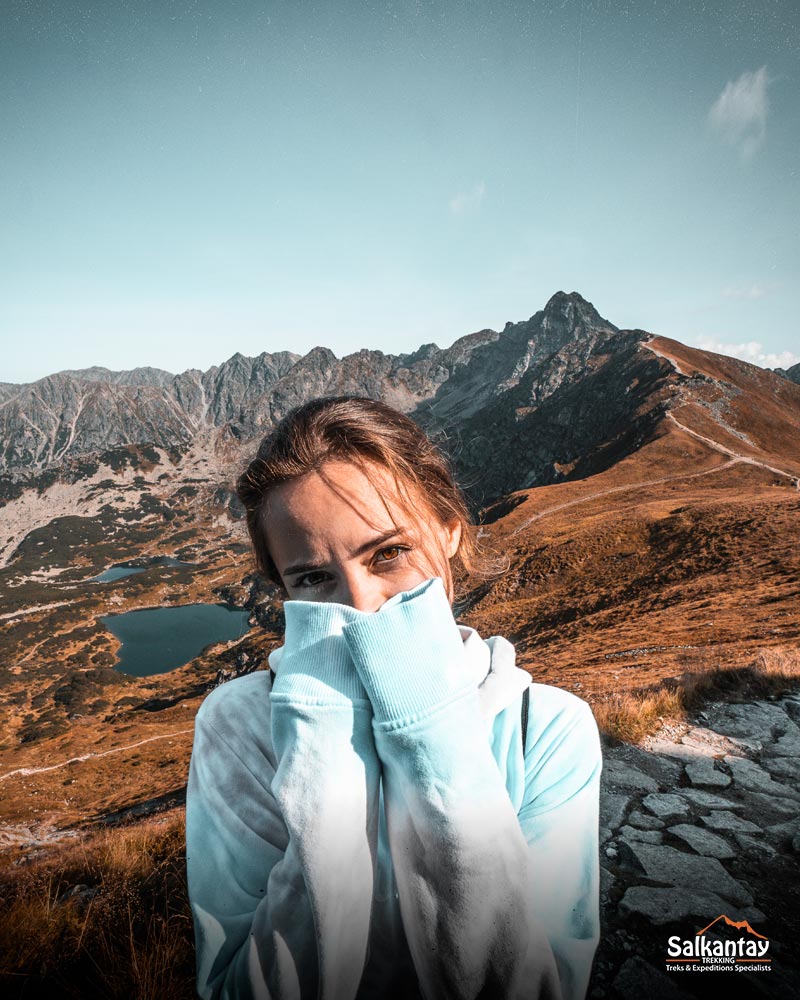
{"x":180,"y":181}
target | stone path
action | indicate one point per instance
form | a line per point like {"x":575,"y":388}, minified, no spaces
{"x":701,"y":820}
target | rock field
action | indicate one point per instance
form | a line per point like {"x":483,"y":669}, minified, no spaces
{"x":702,"y":820}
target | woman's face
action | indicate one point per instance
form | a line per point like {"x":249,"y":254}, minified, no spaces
{"x":333,"y":539}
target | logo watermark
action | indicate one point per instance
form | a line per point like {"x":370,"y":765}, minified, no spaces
{"x":717,"y":948}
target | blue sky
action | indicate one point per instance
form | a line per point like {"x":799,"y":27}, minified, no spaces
{"x":180,"y":181}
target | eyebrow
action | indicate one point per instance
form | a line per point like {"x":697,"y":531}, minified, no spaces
{"x":379,"y":540}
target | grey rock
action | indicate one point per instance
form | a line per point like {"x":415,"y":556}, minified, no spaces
{"x":728,"y":822}
{"x":751,"y":745}
{"x":645,"y":836}
{"x":783,"y":833}
{"x":703,"y":841}
{"x":667,"y":906}
{"x":768,"y":806}
{"x":788,"y":745}
{"x":666,"y":806}
{"x":671,"y":867}
{"x":748,"y":775}
{"x":754,"y":847}
{"x":786,"y":768}
{"x":792,"y":373}
{"x":607,"y":880}
{"x":605,"y":834}
{"x":637,"y":979}
{"x":703,"y":772}
{"x":667,"y":748}
{"x":751,"y":720}
{"x":791,"y":705}
{"x":644,"y":821}
{"x":707,"y":800}
{"x":703,"y":743}
{"x":613,"y":807}
{"x":662,"y":770}
{"x":625,"y":776}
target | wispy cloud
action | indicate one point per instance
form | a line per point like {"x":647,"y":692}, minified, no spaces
{"x":752,"y":351}
{"x":468,"y":201}
{"x":754,"y":291}
{"x":739,"y":114}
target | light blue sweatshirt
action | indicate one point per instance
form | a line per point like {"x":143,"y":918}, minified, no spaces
{"x":367,"y":826}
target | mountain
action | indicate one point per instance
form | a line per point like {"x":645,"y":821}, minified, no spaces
{"x":558,"y":397}
{"x":80,"y":412}
{"x":793,"y":373}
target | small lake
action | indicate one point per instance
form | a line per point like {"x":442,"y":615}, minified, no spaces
{"x":155,"y":640}
{"x":121,"y":570}
{"x":117,"y":573}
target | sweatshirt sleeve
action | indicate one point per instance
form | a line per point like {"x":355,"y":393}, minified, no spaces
{"x":281,"y":845}
{"x":560,"y":821}
{"x":463,"y":866}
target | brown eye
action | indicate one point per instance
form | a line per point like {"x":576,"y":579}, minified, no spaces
{"x":393,"y":553}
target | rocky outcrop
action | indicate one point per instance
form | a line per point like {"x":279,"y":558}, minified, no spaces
{"x":793,"y":373}
{"x":702,"y":820}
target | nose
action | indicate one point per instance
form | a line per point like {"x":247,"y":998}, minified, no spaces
{"x":362,"y":591}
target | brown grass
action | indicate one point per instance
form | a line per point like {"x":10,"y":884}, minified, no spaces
{"x":635,"y":714}
{"x":105,"y":918}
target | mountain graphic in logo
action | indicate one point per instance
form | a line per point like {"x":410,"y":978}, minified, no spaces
{"x":740,"y":925}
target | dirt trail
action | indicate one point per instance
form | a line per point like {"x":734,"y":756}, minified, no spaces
{"x":734,"y":454}
{"x":622,"y":489}
{"x":25,"y":771}
{"x":734,"y":458}
{"x":667,"y":357}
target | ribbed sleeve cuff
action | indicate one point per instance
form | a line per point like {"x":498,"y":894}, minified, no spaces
{"x":316,"y":663}
{"x":409,"y":654}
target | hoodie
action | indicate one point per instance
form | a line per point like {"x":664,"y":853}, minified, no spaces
{"x":366,"y":825}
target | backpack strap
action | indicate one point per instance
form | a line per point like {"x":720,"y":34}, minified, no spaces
{"x":526,"y":697}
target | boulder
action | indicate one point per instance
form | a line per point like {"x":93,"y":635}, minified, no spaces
{"x":728,"y":822}
{"x":617,"y":774}
{"x":669,"y":906}
{"x":754,"y":847}
{"x":645,"y":836}
{"x":671,"y":867}
{"x":750,"y":776}
{"x":644,"y":821}
{"x":666,"y":806}
{"x":703,"y":841}
{"x":703,"y":772}
{"x":613,"y":807}
{"x":769,"y":807}
{"x":783,"y":768}
{"x":707,"y":800}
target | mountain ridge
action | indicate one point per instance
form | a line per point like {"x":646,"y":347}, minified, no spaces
{"x":560,"y":396}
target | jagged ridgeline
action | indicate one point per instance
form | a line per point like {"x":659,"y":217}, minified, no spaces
{"x":561,"y":395}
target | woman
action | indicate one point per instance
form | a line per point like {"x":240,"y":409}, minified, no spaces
{"x":362,"y":820}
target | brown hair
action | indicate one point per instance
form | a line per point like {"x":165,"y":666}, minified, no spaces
{"x":363,"y":431}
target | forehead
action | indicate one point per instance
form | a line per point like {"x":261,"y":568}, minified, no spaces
{"x":337,"y":503}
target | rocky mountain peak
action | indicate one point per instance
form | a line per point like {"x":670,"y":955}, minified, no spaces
{"x":573,"y":309}
{"x":567,"y":317}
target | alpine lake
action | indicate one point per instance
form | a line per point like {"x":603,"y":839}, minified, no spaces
{"x":157,"y":640}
